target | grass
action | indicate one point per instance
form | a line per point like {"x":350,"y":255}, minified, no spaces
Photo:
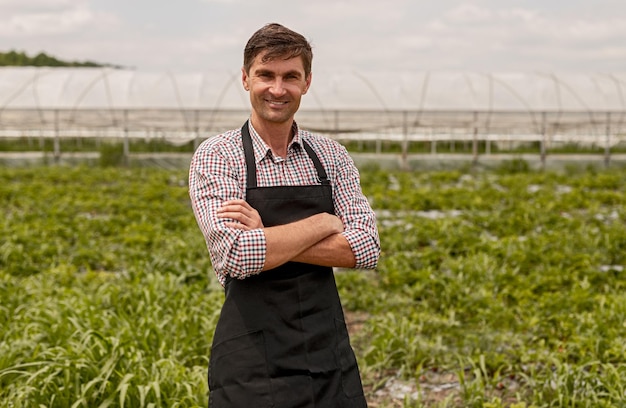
{"x":158,"y":145}
{"x":78,"y":144}
{"x":494,"y":289}
{"x":105,"y":293}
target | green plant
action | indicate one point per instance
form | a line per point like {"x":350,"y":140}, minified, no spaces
{"x":494,"y":289}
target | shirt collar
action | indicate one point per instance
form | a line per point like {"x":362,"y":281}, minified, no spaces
{"x":262,"y":150}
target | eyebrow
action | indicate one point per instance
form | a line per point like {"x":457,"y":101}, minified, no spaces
{"x":262,"y":71}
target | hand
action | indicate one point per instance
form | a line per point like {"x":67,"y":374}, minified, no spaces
{"x":246,"y":218}
{"x":334,"y":222}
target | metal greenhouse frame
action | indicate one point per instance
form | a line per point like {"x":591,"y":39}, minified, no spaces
{"x":402,"y":107}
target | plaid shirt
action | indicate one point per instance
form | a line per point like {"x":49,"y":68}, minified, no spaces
{"x":218,"y":173}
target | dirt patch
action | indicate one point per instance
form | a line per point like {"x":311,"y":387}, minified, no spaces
{"x":389,"y":390}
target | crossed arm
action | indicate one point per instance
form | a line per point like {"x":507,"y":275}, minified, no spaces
{"x":316,"y":240}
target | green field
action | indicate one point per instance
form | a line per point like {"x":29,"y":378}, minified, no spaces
{"x":494,"y":289}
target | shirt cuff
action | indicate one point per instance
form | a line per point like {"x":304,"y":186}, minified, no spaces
{"x":247,"y":256}
{"x":364,"y":247}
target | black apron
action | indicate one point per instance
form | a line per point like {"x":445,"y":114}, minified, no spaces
{"x":281,"y":340}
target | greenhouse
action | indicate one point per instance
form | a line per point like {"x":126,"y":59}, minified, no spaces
{"x":406,"y":107}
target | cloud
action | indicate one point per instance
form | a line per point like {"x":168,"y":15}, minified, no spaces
{"x":354,"y":11}
{"x":40,"y":18}
{"x":469,"y":14}
{"x":16,"y":6}
{"x":472,"y":35}
{"x":46,"y":23}
{"x":468,"y":36}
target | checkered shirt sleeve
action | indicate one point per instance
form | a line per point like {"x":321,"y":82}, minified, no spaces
{"x":352,"y":207}
{"x":215,"y":176}
{"x":218,"y":173}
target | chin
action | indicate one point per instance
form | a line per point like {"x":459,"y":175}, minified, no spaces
{"x":278,"y":118}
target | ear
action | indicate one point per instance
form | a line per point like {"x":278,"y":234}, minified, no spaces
{"x":244,"y":79}
{"x":308,"y":83}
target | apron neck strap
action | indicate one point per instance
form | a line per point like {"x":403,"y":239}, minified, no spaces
{"x":251,"y":163}
{"x":248,"y":150}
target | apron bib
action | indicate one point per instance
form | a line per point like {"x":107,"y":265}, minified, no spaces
{"x":281,"y":340}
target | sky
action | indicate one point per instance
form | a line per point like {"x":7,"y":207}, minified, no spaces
{"x":586,"y":36}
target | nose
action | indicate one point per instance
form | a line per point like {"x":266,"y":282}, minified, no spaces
{"x":277,"y":88}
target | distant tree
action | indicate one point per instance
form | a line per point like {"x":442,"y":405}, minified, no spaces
{"x":12,"y":58}
{"x":20,"y":59}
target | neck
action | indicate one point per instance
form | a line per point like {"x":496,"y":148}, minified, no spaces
{"x":276,"y":135}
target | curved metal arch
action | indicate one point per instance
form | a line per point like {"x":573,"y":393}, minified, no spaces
{"x":104,"y":73}
{"x":557,"y":93}
{"x":378,"y":97}
{"x":19,"y":90}
{"x":595,"y":83}
{"x":489,"y":98}
{"x":169,"y":76}
{"x":618,"y":85}
{"x":328,"y":122}
{"x":517,"y":96}
{"x":131,"y":86}
{"x":179,"y":100}
{"x":32,"y":81}
{"x":470,"y":86}
{"x":491,"y":101}
{"x":220,"y":99}
{"x":203,"y":83}
{"x":38,"y":107}
{"x":373,"y":89}
{"x":70,"y":75}
{"x":420,"y":108}
{"x":568,"y":88}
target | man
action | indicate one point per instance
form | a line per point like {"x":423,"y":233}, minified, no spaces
{"x":279,"y":207}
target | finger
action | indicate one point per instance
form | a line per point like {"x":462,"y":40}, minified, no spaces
{"x":242,"y":203}
{"x":251,"y":222}
{"x":234,"y":208}
{"x":240,"y":210}
{"x":237,"y":225}
{"x":235,"y":215}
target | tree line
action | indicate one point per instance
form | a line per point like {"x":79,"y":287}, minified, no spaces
{"x":21,"y":59}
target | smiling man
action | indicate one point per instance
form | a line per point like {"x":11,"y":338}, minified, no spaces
{"x":279,"y":207}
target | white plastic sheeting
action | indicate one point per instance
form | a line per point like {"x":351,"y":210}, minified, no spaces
{"x":107,"y":88}
{"x":94,"y":102}
{"x":89,"y":88}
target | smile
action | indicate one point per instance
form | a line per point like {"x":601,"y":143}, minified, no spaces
{"x":276,"y":102}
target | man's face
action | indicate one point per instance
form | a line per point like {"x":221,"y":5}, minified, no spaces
{"x":276,"y":87}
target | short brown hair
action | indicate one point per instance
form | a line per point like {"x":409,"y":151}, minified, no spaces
{"x":279,"y":42}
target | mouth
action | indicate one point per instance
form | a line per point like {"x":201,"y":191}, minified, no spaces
{"x":276,"y":103}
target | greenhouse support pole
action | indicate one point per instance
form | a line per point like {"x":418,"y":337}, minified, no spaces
{"x":57,"y":144}
{"x":196,"y":129}
{"x":607,"y":146}
{"x":475,"y":139}
{"x":433,"y":144}
{"x":42,"y":141}
{"x":405,"y":141}
{"x":543,"y":139}
{"x":126,"y":151}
